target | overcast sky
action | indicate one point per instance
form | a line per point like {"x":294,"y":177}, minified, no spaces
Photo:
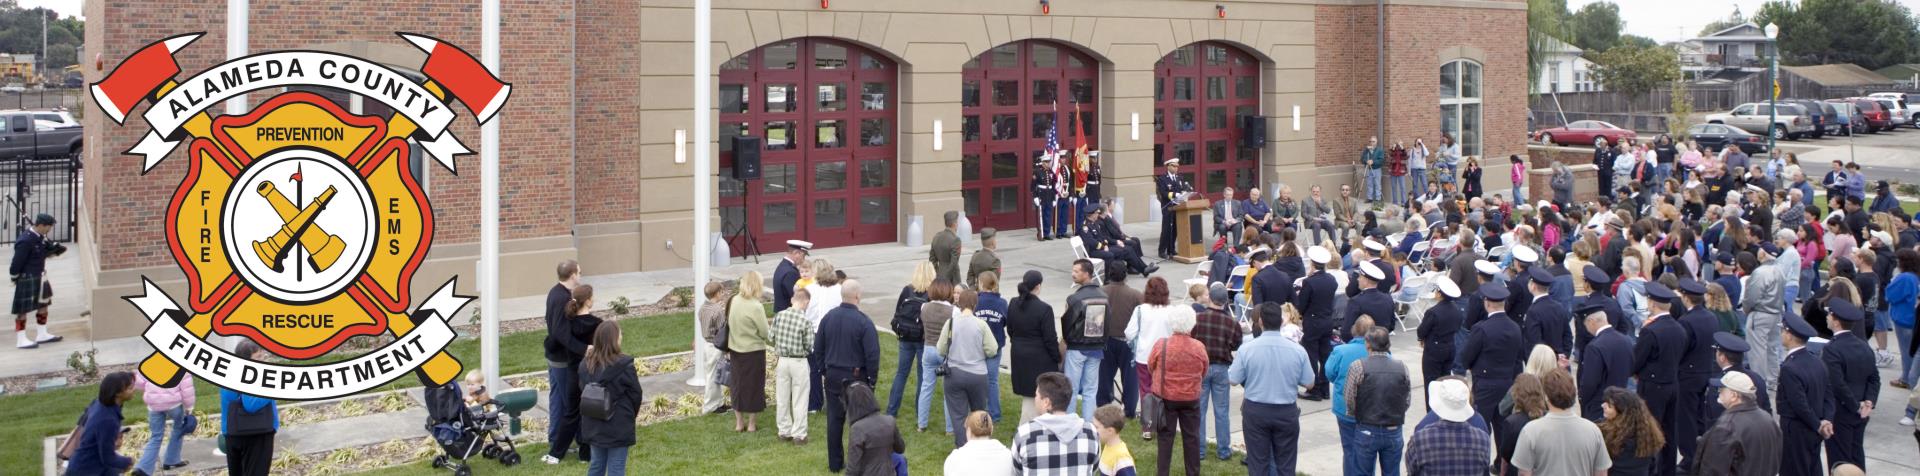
{"x":1671,"y":20}
{"x":66,"y":8}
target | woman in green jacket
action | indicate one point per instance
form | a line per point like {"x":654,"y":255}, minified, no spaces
{"x":747,"y":346}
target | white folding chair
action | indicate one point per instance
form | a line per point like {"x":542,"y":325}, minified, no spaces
{"x":1421,"y":285}
{"x":1200,"y":271}
{"x":1418,"y":257}
{"x":1099,"y":265}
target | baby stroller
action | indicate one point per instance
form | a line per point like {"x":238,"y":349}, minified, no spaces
{"x":463,"y":432}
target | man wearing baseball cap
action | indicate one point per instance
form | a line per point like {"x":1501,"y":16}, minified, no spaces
{"x":1493,"y":352}
{"x":31,"y":292}
{"x":1855,"y":379}
{"x":1744,"y":440}
{"x":1805,"y":402}
{"x":1656,"y":364}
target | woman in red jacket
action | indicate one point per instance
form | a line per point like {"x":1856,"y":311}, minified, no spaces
{"x":1178,"y":364}
{"x":1397,"y":172}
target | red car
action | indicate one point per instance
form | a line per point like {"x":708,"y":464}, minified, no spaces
{"x":1583,"y":133}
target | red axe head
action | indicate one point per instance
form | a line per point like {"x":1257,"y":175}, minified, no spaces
{"x":139,"y":76}
{"x":462,"y":76}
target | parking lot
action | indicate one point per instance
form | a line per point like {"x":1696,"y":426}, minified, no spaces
{"x":1891,"y":155}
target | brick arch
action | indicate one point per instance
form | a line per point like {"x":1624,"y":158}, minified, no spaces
{"x":1013,"y":96}
{"x":895,"y":59}
{"x":1201,"y":92}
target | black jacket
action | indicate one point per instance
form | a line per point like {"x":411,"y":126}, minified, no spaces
{"x":1851,"y":376}
{"x":1437,"y":329}
{"x":1519,"y":297}
{"x":560,"y":344}
{"x":1656,"y":356}
{"x":623,"y":388}
{"x":1272,"y":284}
{"x":1698,"y":362}
{"x":846,"y":341}
{"x":1743,"y":441}
{"x":1073,"y":321}
{"x":1548,"y":324}
{"x":1805,"y":399}
{"x":1493,"y":351}
{"x":1605,"y":362}
{"x":1371,"y":303}
{"x":1315,"y":299}
{"x":784,"y":277}
{"x":1616,"y":316}
{"x":1035,"y":344}
{"x":30,"y":252}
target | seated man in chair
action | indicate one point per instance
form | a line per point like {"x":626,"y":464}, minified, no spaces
{"x":1100,"y":244}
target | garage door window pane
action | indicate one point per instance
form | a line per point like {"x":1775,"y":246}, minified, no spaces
{"x":1006,"y":56}
{"x":1183,"y":89}
{"x":1006,"y":165}
{"x":1217,"y":117}
{"x":875,"y":173}
{"x":1006,"y":199}
{"x":734,"y":99}
{"x":1216,"y":181}
{"x":873,"y":96}
{"x":1046,"y":56}
{"x":832,"y":97}
{"x":1216,"y":151}
{"x":876,"y":210}
{"x":1041,"y":123}
{"x":780,"y":135}
{"x":1183,"y":117}
{"x":782,"y":98}
{"x":829,"y":56}
{"x":830,"y":213}
{"x":970,"y":93}
{"x":1006,"y":93}
{"x":829,"y":176}
{"x":1216,"y":88}
{"x":780,"y":178}
{"x":1006,"y":126}
{"x":780,"y":217}
{"x":829,"y":134}
{"x":1184,"y":152}
{"x":970,"y":167}
{"x":1245,"y":87}
{"x":1045,"y":90}
{"x":969,"y":128}
{"x":781,"y":55}
{"x":873,"y":132}
{"x":1081,"y":90}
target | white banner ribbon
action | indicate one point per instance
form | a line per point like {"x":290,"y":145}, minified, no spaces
{"x":298,"y":382}
{"x":298,"y":68}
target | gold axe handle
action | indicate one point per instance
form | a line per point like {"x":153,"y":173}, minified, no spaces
{"x":324,"y":248}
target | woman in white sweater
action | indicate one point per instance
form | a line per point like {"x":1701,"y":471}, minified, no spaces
{"x":1148,"y":326}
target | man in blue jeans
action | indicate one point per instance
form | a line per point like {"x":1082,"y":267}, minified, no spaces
{"x":557,"y":346}
{"x":1378,"y":394}
{"x":1272,"y":369}
{"x":1221,"y":334}
{"x":1085,"y":342}
{"x":1339,"y":362}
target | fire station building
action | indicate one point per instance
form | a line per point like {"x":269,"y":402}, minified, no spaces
{"x":869,"y":113}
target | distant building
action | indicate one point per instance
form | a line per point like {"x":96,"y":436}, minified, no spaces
{"x":1907,"y":74}
{"x":1565,"y":71}
{"x":1830,"y":80}
{"x":16,"y":65}
{"x":1742,"y":47}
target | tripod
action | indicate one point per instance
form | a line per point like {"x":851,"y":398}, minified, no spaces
{"x":745,"y":231}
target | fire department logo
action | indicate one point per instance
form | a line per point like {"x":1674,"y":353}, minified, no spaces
{"x":299,"y":225}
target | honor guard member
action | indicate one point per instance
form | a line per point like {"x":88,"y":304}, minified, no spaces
{"x":1270,"y":284}
{"x":984,"y":260}
{"x":1093,"y":183}
{"x":787,"y":274}
{"x":1806,"y":404}
{"x":1854,"y":380}
{"x":1045,"y":197}
{"x":1598,"y":281}
{"x":1521,"y":298}
{"x":1372,"y":303}
{"x":1606,"y":361}
{"x":1377,"y":250}
{"x":1656,"y":365}
{"x":1169,"y":188}
{"x":1549,"y":322}
{"x":1493,"y":353}
{"x":1315,"y":301}
{"x":945,"y":252}
{"x":1730,"y":352}
{"x":30,"y":288}
{"x":1745,"y":440}
{"x":1696,"y":367}
{"x":1100,"y":244}
{"x":1436,"y":332}
{"x":1475,"y":310}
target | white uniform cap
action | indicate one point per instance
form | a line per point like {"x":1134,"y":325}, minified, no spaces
{"x":1447,"y":286}
{"x":1319,"y":255}
{"x":1486,"y":267}
{"x":1374,"y":245}
{"x":1525,"y":254}
{"x":800,"y":245}
{"x":1372,"y":271}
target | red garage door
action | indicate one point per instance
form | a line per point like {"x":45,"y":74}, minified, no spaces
{"x":824,"y":110}
{"x":1200,"y":92}
{"x":1009,"y":98}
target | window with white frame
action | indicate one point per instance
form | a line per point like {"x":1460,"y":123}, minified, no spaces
{"x":1460,"y":104}
{"x":1553,"y":76}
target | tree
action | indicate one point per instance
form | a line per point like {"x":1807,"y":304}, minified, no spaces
{"x":1679,"y":109}
{"x":1870,"y":33}
{"x":1546,"y":23}
{"x":1596,"y":27}
{"x":1729,"y":22}
{"x":1635,"y":71}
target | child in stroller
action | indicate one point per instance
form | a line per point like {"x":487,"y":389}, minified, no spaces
{"x":462,"y":431}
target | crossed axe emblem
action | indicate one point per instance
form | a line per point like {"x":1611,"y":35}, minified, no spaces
{"x":150,"y":73}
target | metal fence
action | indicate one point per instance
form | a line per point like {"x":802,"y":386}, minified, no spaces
{"x":1644,"y":123}
{"x":49,"y":185}
{"x":1704,"y":98}
{"x":42,"y":99}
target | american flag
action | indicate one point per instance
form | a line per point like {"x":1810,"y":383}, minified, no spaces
{"x":1052,"y":152}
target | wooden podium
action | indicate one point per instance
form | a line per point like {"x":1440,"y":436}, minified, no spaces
{"x":1190,"y":229}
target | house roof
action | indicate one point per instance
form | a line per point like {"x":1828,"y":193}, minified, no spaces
{"x":1899,"y":71}
{"x":1735,"y":33}
{"x":1837,"y":75}
{"x":1554,"y":45}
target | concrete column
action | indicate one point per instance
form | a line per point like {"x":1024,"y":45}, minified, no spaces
{"x":1126,"y":165}
{"x":929,"y":180}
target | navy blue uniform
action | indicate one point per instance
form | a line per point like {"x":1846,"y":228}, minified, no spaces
{"x":1607,"y":361}
{"x":1519,"y":298}
{"x":1371,"y":303}
{"x":1044,"y":192}
{"x":1273,"y":285}
{"x":1852,"y":378}
{"x":1167,"y":188}
{"x":1696,"y":367}
{"x":1656,"y":363}
{"x":1548,"y":324}
{"x":784,"y":277}
{"x":1493,"y":353}
{"x":846,"y":349}
{"x":1436,"y":332}
{"x":1315,"y":300}
{"x":1616,"y":317}
{"x":1805,"y":401}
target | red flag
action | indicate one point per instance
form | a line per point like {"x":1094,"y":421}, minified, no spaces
{"x":296,"y":173}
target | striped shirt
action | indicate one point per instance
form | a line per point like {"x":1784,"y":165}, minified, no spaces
{"x":792,"y":333}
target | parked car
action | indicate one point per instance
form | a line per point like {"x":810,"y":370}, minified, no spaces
{"x":1792,"y":119}
{"x":1896,"y":112}
{"x":1719,"y":136}
{"x":1851,"y":122}
{"x":50,"y":119}
{"x":13,"y":88}
{"x":1823,"y":116}
{"x":1879,"y":118}
{"x":1900,"y":99}
{"x":1583,"y":133}
{"x":21,"y":138}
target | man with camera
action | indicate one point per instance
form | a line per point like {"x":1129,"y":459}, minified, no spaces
{"x":31,"y":293}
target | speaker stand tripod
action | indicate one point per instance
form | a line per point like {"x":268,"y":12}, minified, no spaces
{"x":752,"y":247}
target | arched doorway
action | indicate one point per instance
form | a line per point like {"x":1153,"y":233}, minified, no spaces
{"x":1010,"y":97}
{"x":1200,"y":92}
{"x":824,"y":110}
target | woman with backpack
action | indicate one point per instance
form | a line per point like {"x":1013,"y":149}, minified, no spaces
{"x":611,"y":402}
{"x":99,"y":433}
{"x":582,"y":325}
{"x":747,"y":347}
{"x":906,"y":329}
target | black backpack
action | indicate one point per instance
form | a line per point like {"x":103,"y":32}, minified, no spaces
{"x":906,"y":317}
{"x":597,"y":396}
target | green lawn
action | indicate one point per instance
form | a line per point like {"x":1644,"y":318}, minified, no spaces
{"x":708,"y":445}
{"x":31,"y":417}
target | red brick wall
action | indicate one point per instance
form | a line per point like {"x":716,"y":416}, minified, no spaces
{"x":607,"y":106}
{"x":536,"y":138}
{"x":1346,"y":66}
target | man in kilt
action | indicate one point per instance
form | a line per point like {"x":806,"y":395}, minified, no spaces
{"x":31,"y":292}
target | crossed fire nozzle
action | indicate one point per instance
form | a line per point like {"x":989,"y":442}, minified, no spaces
{"x":323,"y":248}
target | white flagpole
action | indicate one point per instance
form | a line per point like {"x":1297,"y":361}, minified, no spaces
{"x":702,"y":170}
{"x":490,"y":206}
{"x":237,"y":47}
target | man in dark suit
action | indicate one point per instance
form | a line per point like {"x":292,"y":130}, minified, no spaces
{"x":787,"y":274}
{"x":1475,"y":310}
{"x":1696,"y":367}
{"x":1547,"y":322}
{"x":1315,"y":300}
{"x":1169,"y":188}
{"x":1493,"y":353}
{"x":1854,"y":381}
{"x":1270,"y":283}
{"x":1806,"y":402}
{"x":1371,"y":303}
{"x":1598,"y":281}
{"x":1656,"y":364}
{"x":1520,"y":297}
{"x":1606,"y":361}
{"x":1730,"y":354}
{"x":1228,"y":217}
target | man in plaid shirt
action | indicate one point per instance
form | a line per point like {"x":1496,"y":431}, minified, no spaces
{"x":1221,"y":334}
{"x":1452,"y":445}
{"x":1057,"y":442}
{"x":792,"y":342}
